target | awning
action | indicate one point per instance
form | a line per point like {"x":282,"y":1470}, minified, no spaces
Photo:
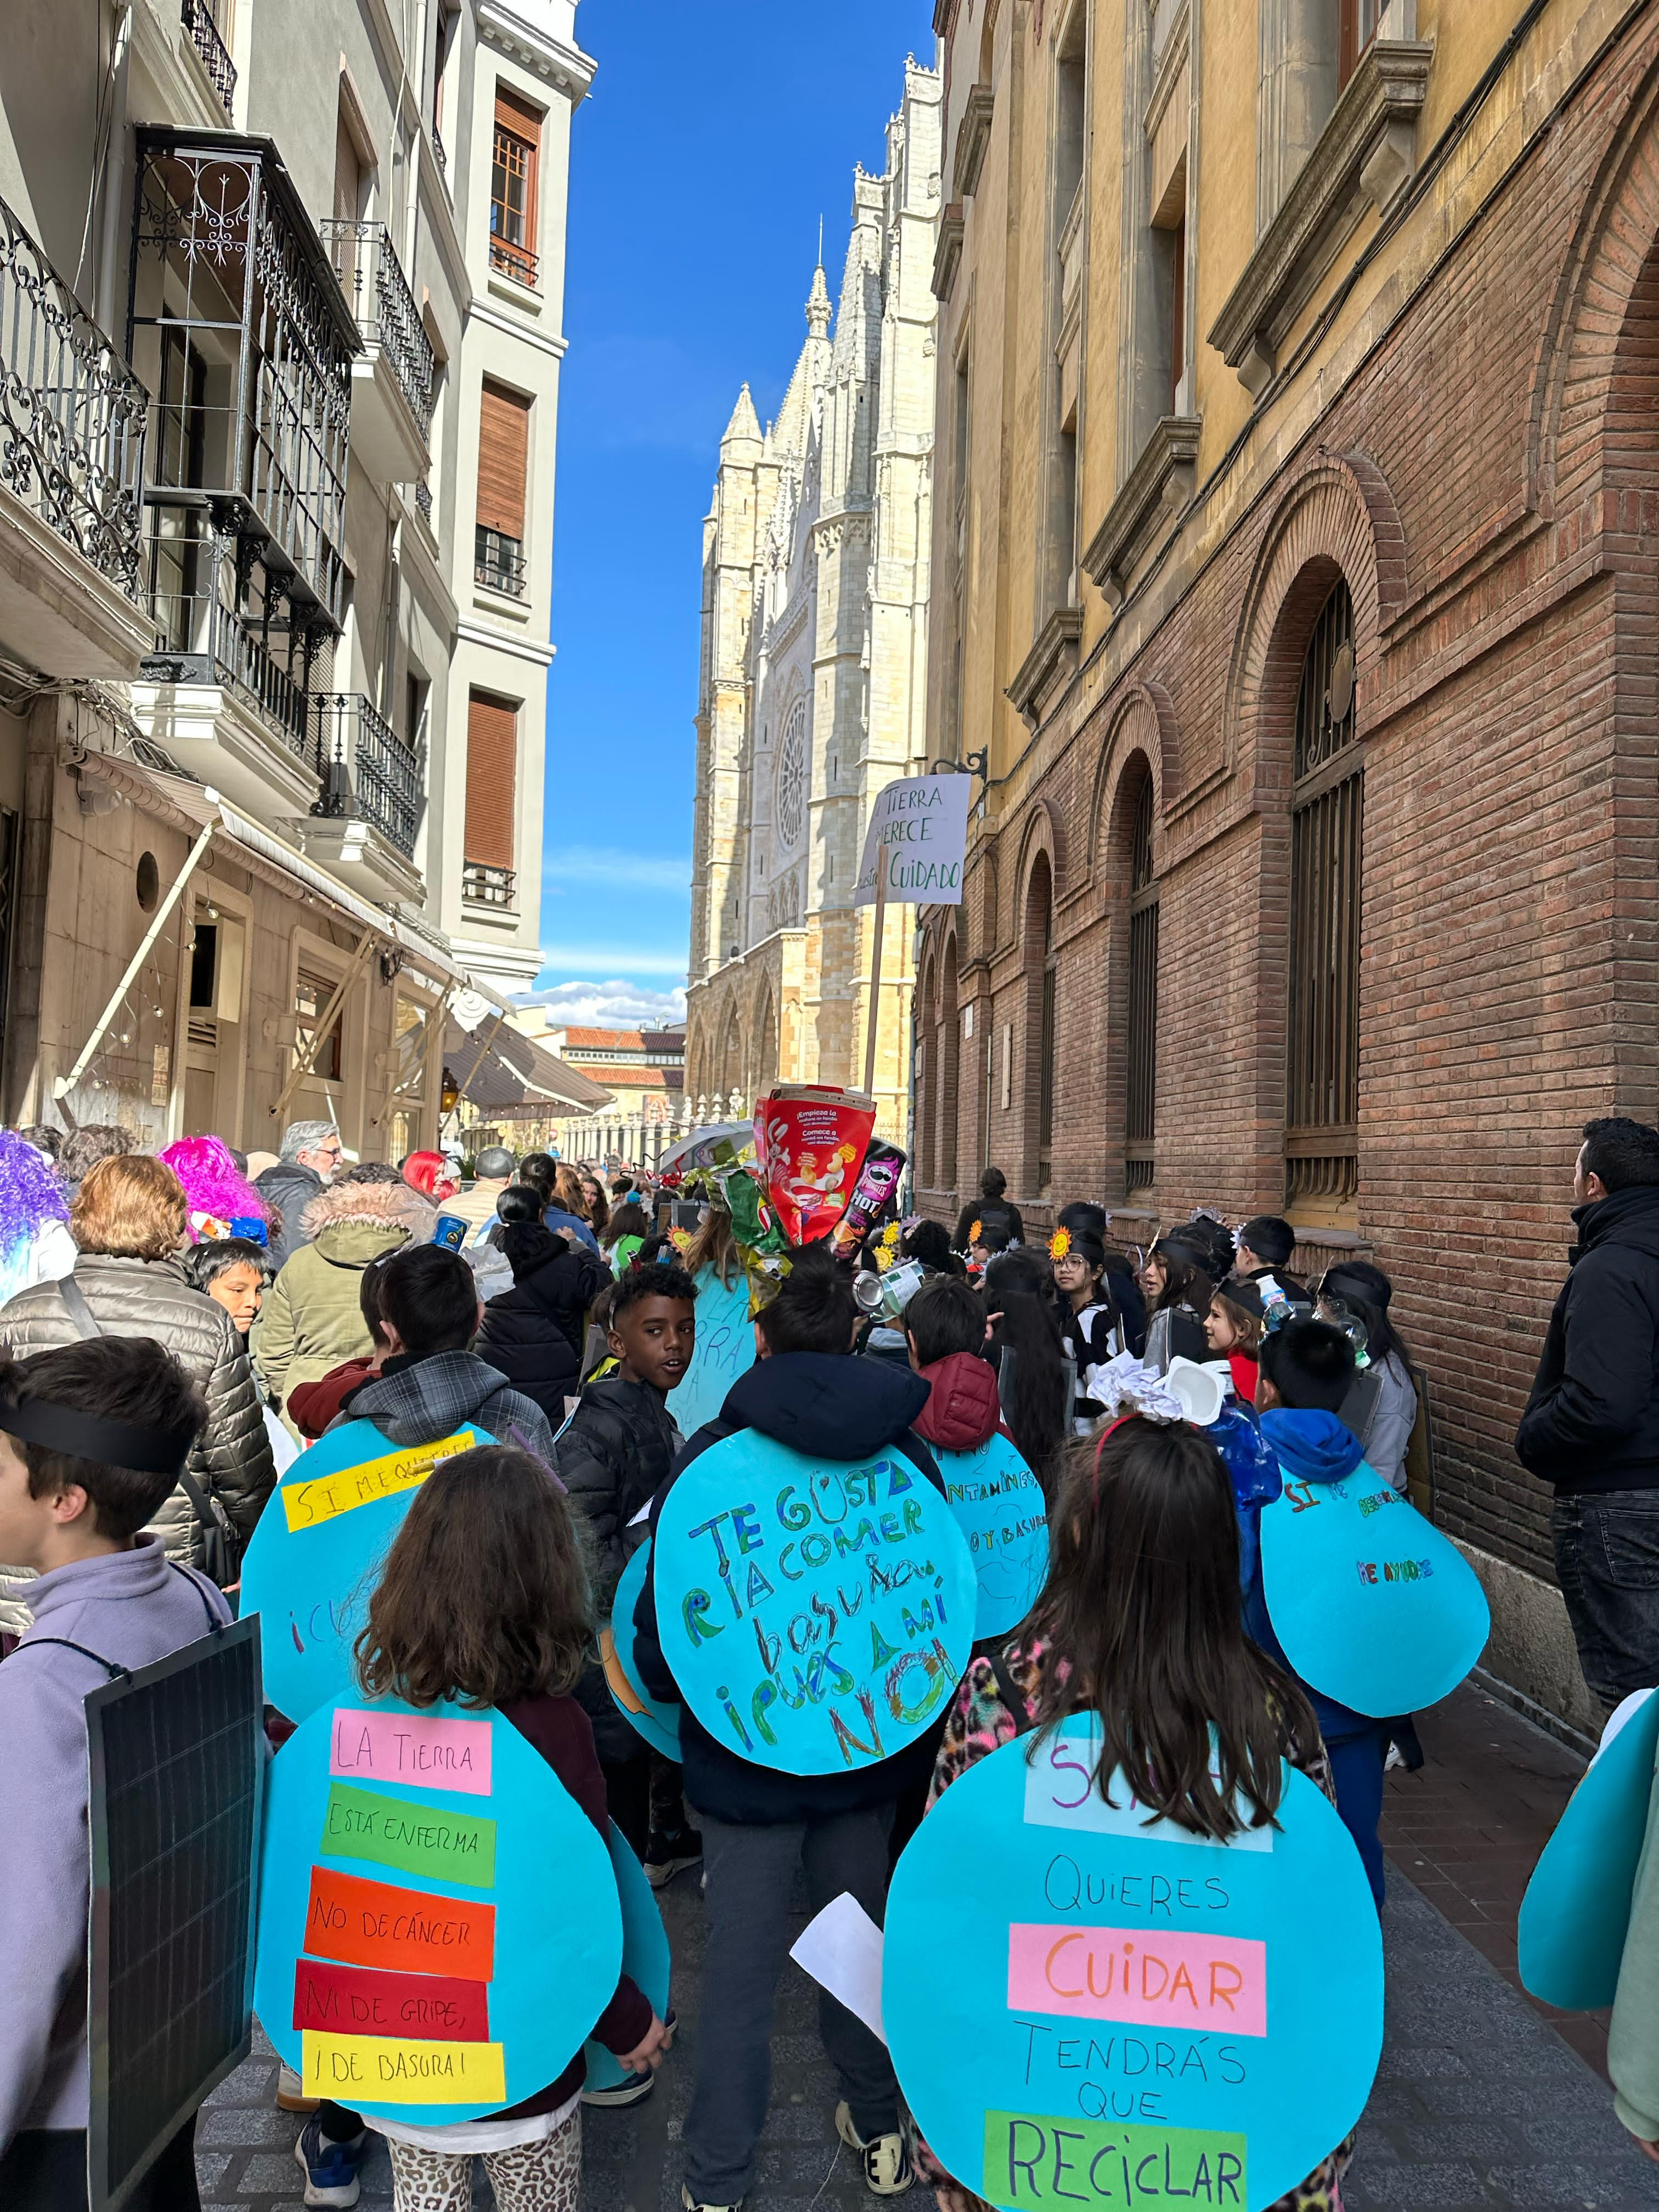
{"x":498,"y":1069}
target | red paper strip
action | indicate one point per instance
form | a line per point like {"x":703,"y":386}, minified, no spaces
{"x":373,"y":1923}
{"x":356,"y":2001}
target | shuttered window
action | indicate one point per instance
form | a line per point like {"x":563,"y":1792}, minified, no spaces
{"x":503,"y":460}
{"x":492,"y":749}
{"x":513,"y":188}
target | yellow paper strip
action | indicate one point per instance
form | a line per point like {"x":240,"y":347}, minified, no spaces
{"x":395,"y":2069}
{"x":307,"y":1505}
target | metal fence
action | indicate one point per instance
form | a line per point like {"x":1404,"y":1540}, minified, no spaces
{"x":369,"y":771}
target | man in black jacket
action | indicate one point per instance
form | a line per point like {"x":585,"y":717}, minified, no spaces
{"x":806,"y":1391}
{"x":1591,"y":1426}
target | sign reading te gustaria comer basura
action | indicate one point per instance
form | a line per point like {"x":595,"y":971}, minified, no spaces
{"x":414,"y":1959}
{"x":917,"y":843}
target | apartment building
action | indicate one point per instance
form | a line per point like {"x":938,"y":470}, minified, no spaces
{"x":1294,"y":566}
{"x":281,"y":327}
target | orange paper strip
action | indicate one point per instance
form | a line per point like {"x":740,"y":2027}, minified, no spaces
{"x":372,"y":1923}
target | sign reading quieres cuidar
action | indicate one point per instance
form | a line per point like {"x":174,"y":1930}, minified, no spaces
{"x":816,"y":1614}
{"x":1154,"y":2017}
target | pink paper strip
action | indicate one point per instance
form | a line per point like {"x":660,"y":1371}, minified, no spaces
{"x":1150,"y":1978}
{"x":427,"y":1749}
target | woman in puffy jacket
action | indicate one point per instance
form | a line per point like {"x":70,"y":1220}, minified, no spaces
{"x":130,"y":1220}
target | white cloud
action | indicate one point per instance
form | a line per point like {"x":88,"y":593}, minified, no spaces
{"x":617,"y":959}
{"x":615,"y":1005}
{"x":604,"y":864}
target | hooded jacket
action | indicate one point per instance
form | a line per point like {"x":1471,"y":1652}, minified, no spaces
{"x":417,"y":1399}
{"x":533,"y":1333}
{"x":613,"y":1458}
{"x":1592,"y":1422}
{"x":151,"y":1297}
{"x":1310,"y":1447}
{"x":829,"y":1407}
{"x":312,"y":1319}
{"x":290,"y":1187}
{"x":962,"y":1410}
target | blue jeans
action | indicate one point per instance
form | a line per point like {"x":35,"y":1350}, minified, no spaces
{"x":1357,"y":1765}
{"x":1607,"y":1561}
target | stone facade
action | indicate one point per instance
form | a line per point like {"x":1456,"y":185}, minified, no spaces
{"x":815,"y":598}
{"x":1395,"y":332}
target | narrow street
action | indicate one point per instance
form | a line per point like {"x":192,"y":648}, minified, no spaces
{"x":1483,"y":2098}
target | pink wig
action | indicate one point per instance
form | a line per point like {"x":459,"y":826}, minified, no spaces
{"x":213,"y":1184}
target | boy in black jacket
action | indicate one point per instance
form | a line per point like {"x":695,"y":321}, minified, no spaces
{"x":806,"y":1391}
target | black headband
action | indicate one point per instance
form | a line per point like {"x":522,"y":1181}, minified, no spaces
{"x":89,"y":1436}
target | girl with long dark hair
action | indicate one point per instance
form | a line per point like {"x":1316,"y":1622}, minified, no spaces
{"x":1178,"y":1293}
{"x":1025,"y":1348}
{"x":1356,"y":1287}
{"x":1091,"y":1324}
{"x":1140,"y":1625}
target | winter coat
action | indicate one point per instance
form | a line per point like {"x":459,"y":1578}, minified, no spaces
{"x":962,"y":1410}
{"x":555,"y":1217}
{"x":313,"y":1407}
{"x":290,"y":1188}
{"x":829,"y":1407}
{"x":613,"y":1458}
{"x":1175,"y":1333}
{"x":534,"y":1332}
{"x":418,"y":1401}
{"x":990,"y":1213}
{"x":312,"y":1319}
{"x":1310,"y":1447}
{"x":1592,"y":1422}
{"x":151,"y":1297}
{"x":1094,"y":1336}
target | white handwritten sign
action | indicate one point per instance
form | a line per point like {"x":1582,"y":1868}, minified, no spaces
{"x":916,"y":842}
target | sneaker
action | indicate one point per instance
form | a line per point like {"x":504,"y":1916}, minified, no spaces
{"x":691,"y":2203}
{"x":665,"y":1855}
{"x":290,"y":2093}
{"x":633,"y":2091}
{"x":329,"y":2168}
{"x":887,"y":2168}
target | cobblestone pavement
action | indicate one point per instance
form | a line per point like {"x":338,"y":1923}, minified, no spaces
{"x":1479,"y":2100}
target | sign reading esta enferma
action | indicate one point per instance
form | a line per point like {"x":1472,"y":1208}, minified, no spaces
{"x":916,"y":842}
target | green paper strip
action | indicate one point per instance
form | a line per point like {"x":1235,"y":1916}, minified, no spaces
{"x":1041,"y":2164}
{"x":417,"y":1839}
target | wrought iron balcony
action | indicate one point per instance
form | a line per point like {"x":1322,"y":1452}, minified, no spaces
{"x":498,"y":560}
{"x":517,"y":262}
{"x":218,"y":646}
{"x":485,"y":885}
{"x":371,"y":278}
{"x":204,"y":36}
{"x":71,"y":414}
{"x":370,"y":773}
{"x":439,"y":155}
{"x":423,"y":500}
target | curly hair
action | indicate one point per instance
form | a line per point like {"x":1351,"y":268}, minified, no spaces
{"x":130,"y":1206}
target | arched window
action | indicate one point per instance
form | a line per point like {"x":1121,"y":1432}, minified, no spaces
{"x":1040,"y":992}
{"x":927,"y":1063}
{"x":1321,"y":1103}
{"x":1139,"y":1161}
{"x":948,"y":1064}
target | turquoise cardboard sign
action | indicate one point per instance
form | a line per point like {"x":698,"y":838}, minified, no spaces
{"x":1374,"y":1606}
{"x":414,"y":1962}
{"x":1570,"y":1939}
{"x":312,"y":1563}
{"x":1152,"y":2015}
{"x":999,"y":1507}
{"x":644,"y":1960}
{"x":816,"y":1613}
{"x":725,"y":1349}
{"x":659,"y":1723}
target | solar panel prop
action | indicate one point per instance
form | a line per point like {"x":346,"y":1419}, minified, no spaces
{"x":177,"y":1762}
{"x":317,"y":1554}
{"x":439,"y":1923}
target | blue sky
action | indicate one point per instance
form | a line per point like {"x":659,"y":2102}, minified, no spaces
{"x":715,"y":137}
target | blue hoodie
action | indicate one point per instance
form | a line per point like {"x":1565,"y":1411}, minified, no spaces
{"x":1312,"y":1447}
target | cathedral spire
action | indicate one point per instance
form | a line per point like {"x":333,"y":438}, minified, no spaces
{"x":744,"y":423}
{"x":817,"y":304}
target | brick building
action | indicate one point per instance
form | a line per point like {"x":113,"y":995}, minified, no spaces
{"x":1295,"y":569}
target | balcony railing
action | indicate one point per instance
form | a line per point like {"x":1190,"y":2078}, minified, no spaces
{"x":517,"y":262}
{"x":204,"y":36}
{"x":423,"y":500}
{"x":71,"y":414}
{"x":498,"y":560}
{"x":224,"y":649}
{"x":371,"y":773}
{"x":438,"y":153}
{"x":485,"y":885}
{"x":371,"y":278}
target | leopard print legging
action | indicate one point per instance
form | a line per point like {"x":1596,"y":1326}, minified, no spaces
{"x":537,"y":2177}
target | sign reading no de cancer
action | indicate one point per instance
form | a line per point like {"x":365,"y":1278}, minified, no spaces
{"x":414,"y":1959}
{"x":1153,"y":2016}
{"x":817,"y":1613}
{"x":1372,"y":1604}
{"x":916,"y":843}
{"x":315,"y":1556}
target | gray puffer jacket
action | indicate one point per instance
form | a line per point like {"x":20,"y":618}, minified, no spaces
{"x":151,"y":1297}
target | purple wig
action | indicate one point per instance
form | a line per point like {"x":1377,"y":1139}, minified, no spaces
{"x":213,"y":1184}
{"x":30,"y":1201}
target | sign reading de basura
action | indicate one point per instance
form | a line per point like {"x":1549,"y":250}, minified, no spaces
{"x":916,"y":842}
{"x":316,"y":1555}
{"x":413,"y":1957}
{"x":1372,"y":1604}
{"x":1150,"y":2012}
{"x":999,"y":1507}
{"x":816,"y":1614}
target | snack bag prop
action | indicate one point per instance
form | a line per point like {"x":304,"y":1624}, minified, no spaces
{"x":874,"y":1191}
{"x":316,"y":1555}
{"x":1153,"y":2017}
{"x":810,"y":1143}
{"x":816,"y":1614}
{"x":415,"y":1960}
